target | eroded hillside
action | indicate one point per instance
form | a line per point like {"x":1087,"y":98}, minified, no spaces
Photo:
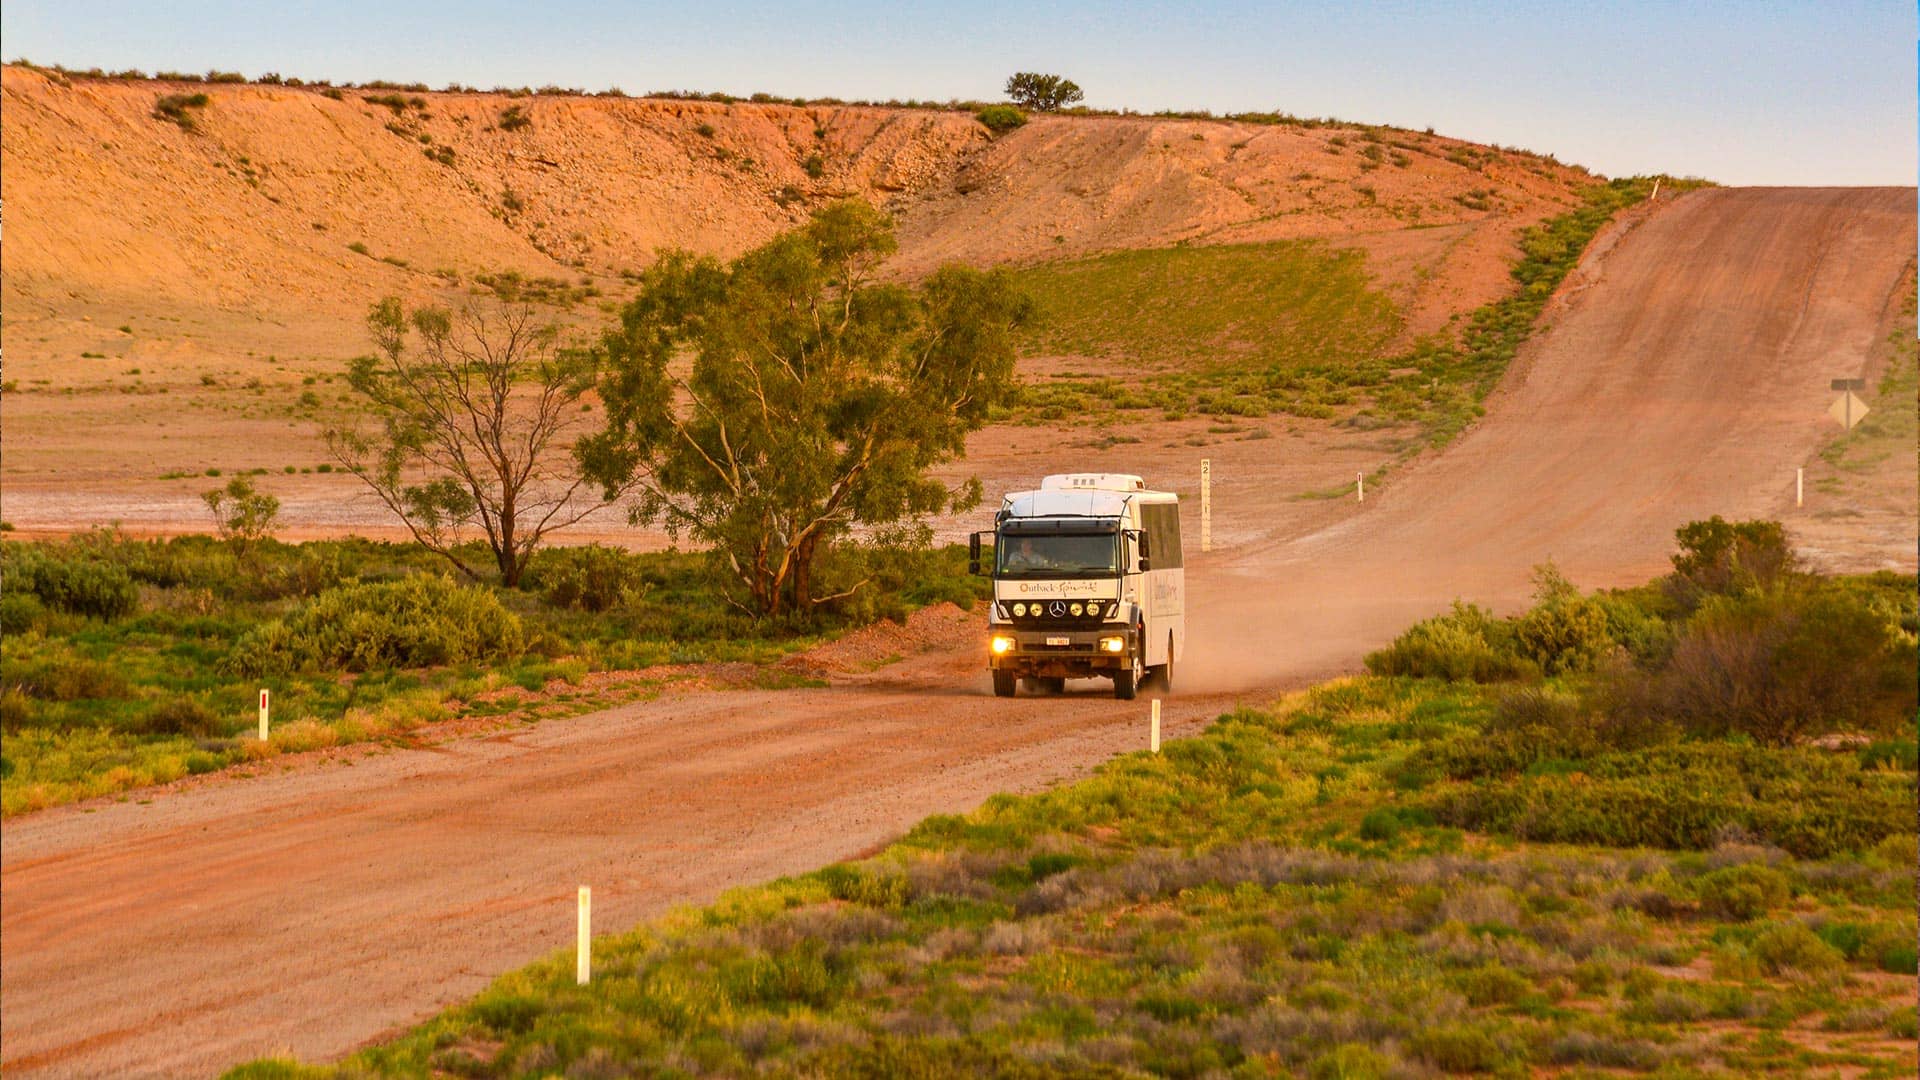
{"x":226,"y":257}
{"x":256,"y":207}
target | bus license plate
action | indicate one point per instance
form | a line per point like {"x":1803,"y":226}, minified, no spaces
{"x":1058,"y":641}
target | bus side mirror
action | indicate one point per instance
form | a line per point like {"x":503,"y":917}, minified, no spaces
{"x":973,"y":555}
{"x":1146,"y":551}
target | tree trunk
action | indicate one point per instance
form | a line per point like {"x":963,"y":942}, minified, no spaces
{"x":803,"y":573}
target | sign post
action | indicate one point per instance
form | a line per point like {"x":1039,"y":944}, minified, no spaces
{"x":1848,"y":410}
{"x":263,"y":714}
{"x":1206,"y":504}
{"x":1153,"y":728}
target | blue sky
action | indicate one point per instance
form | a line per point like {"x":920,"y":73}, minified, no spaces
{"x":1742,"y":93}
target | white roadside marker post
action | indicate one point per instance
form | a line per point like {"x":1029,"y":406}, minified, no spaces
{"x":1799,"y":487}
{"x":1206,"y":504}
{"x":1359,"y":487}
{"x":263,"y":714}
{"x":1153,"y":728}
{"x":583,"y":948}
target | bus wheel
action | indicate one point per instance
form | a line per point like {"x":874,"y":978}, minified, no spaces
{"x":1164,"y":674}
{"x":1126,"y":683}
{"x":1003,"y":683}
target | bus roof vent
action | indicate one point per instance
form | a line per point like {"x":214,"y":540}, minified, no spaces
{"x":1089,"y":481}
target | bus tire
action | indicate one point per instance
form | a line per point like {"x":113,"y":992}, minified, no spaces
{"x":1126,"y":683}
{"x":1003,"y":683}
{"x":1163,"y":675}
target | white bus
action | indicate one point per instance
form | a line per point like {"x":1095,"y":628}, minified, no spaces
{"x":1087,"y":583}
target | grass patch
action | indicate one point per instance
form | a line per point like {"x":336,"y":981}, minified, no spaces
{"x":1231,"y":906}
{"x":1289,"y":327}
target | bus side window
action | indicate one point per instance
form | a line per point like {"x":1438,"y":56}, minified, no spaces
{"x":1162,"y":524}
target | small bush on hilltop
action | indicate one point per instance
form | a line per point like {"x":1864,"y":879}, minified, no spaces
{"x":178,"y":109}
{"x":1001,"y":119}
{"x":418,"y":621}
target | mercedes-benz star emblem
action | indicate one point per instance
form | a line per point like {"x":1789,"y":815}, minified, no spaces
{"x":1058,"y":609}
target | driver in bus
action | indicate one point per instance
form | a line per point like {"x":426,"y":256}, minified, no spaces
{"x":1024,"y":557}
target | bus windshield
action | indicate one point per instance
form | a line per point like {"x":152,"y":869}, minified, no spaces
{"x":1084,"y":555}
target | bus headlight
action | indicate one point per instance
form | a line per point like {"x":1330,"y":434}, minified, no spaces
{"x":1001,"y":645}
{"x":1095,"y":608}
{"x":1113,"y":644}
{"x":1075,"y":609}
{"x":1020,"y":609}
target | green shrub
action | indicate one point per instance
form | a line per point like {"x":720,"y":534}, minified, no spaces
{"x":1791,"y":946}
{"x":64,"y":677}
{"x":513,"y":119}
{"x":1717,"y":557}
{"x":1782,"y":665}
{"x":181,"y":716}
{"x":16,"y":709}
{"x":176,"y":109}
{"x":1564,"y":632}
{"x":1742,"y":893}
{"x":1459,"y":1048}
{"x":1001,"y":119}
{"x":420,"y":620}
{"x":1467,"y":643}
{"x":69,"y":578}
{"x":815,"y":166}
{"x":20,"y":612}
{"x":1809,"y":802}
{"x":591,"y":578}
{"x":242,"y":515}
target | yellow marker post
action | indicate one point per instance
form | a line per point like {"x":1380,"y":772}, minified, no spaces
{"x":263,"y":714}
{"x":1153,"y":729}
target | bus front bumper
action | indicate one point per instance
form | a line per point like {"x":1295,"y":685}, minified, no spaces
{"x":1061,"y":653}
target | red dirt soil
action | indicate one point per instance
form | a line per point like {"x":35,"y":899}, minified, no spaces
{"x":1684,"y":374}
{"x":225,"y":253}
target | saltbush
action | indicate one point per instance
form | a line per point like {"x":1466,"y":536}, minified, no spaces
{"x":1001,"y":119}
{"x":1564,"y":632}
{"x":181,"y":716}
{"x":417,"y":621}
{"x":1742,"y":893}
{"x":1809,"y":802}
{"x":591,"y":578}
{"x":1467,"y":643}
{"x":1781,"y":665}
{"x":68,"y":578}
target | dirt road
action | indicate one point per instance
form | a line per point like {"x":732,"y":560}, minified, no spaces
{"x":1684,"y":375}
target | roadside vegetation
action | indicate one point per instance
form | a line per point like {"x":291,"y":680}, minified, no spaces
{"x":1384,"y":876}
{"x":1893,"y":425}
{"x":127,"y":663}
{"x":1291,"y":328}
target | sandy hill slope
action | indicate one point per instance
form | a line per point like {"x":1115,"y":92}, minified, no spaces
{"x":254,"y":210}
{"x":228,"y":263}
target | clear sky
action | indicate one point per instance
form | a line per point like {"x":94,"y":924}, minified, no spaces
{"x":1744,"y":93}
